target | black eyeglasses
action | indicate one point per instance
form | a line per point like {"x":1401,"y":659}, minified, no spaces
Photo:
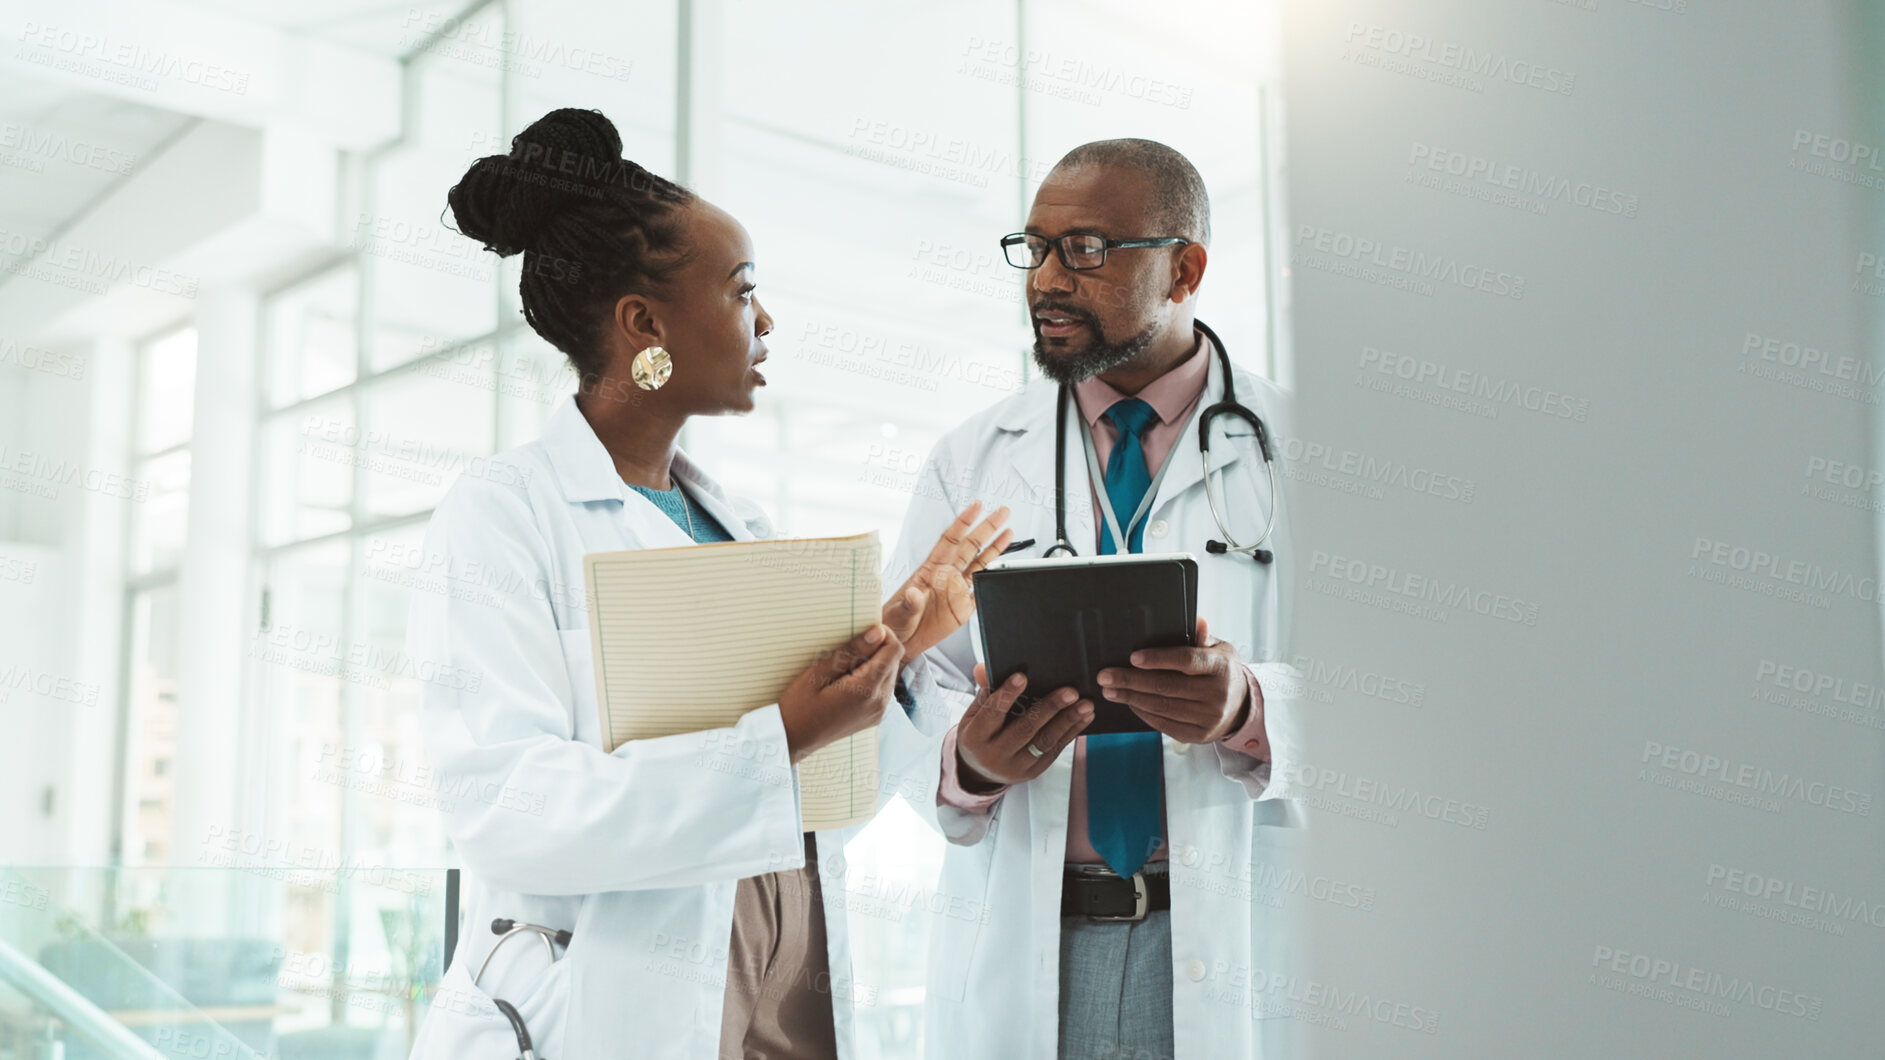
{"x":1077,"y":251}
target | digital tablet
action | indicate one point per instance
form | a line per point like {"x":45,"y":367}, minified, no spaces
{"x":1061,"y":621}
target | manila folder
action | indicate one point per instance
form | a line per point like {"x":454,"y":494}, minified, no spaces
{"x":691,"y":638}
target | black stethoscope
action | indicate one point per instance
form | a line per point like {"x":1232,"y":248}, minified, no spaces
{"x":1227,"y":407}
{"x":508,"y":929}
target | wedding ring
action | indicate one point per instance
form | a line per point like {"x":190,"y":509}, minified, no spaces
{"x":1035,"y":751}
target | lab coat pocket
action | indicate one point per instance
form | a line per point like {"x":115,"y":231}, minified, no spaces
{"x":1279,"y":852}
{"x":463,"y":1024}
{"x":579,"y":660}
{"x":958,"y":915}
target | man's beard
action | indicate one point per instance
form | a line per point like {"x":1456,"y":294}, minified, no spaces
{"x":1102,"y":355}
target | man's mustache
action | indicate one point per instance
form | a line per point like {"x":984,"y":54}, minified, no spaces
{"x":1085,"y":316}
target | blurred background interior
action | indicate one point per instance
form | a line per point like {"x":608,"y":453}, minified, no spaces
{"x":242,"y":356}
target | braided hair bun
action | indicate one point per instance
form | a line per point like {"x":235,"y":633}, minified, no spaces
{"x":592,"y":226}
{"x":507,"y":201}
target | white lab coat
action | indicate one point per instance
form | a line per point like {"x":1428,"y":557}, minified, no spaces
{"x":994,"y":976}
{"x":636,"y":852}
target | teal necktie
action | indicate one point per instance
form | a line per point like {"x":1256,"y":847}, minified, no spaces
{"x":1125,"y":779}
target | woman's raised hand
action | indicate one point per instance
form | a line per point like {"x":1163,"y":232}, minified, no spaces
{"x":938,"y":598}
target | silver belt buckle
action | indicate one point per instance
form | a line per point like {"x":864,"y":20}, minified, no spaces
{"x":1138,"y":901}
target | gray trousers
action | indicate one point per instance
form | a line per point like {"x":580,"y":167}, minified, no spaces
{"x":1116,"y":988}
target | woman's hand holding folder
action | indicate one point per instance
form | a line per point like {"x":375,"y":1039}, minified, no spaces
{"x":844,"y":692}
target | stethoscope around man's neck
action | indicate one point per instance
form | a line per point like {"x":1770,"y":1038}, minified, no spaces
{"x":1229,"y":406}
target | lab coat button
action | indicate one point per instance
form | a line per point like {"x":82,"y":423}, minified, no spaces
{"x":1159,"y":528}
{"x":1195,"y":971}
{"x":1190,"y":855}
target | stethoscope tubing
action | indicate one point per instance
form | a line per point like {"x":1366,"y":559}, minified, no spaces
{"x":1228,"y":406}
{"x":507,"y":930}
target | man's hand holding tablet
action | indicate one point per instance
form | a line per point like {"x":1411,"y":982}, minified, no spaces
{"x":998,"y":743}
{"x":1191,"y":694}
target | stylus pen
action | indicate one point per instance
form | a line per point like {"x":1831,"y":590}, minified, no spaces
{"x":1017,"y":546}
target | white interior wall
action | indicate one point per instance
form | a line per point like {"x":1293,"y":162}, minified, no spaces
{"x":1592,"y":911}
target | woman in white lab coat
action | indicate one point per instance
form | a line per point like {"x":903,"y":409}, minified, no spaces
{"x":639,"y":854}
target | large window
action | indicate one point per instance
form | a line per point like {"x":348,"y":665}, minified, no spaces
{"x":383,"y":374}
{"x":163,"y":407}
{"x":166,"y":383}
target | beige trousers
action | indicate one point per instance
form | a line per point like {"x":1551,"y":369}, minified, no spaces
{"x":778,"y":997}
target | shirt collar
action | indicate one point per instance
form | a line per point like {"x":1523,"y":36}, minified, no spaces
{"x":1169,"y":395}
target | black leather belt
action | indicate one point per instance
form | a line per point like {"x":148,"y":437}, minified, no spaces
{"x":1110,"y":897}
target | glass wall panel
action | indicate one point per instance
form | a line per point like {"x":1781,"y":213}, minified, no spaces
{"x":312,"y":336}
{"x":418,"y":435}
{"x":166,"y":398}
{"x":309,"y":457}
{"x":151,"y":725}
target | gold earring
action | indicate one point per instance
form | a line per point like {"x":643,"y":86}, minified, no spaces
{"x":652,"y":368}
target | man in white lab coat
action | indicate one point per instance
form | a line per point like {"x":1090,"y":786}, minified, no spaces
{"x":1105,"y":882}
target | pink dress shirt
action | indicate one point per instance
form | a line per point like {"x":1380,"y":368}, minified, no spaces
{"x":1173,"y":396}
